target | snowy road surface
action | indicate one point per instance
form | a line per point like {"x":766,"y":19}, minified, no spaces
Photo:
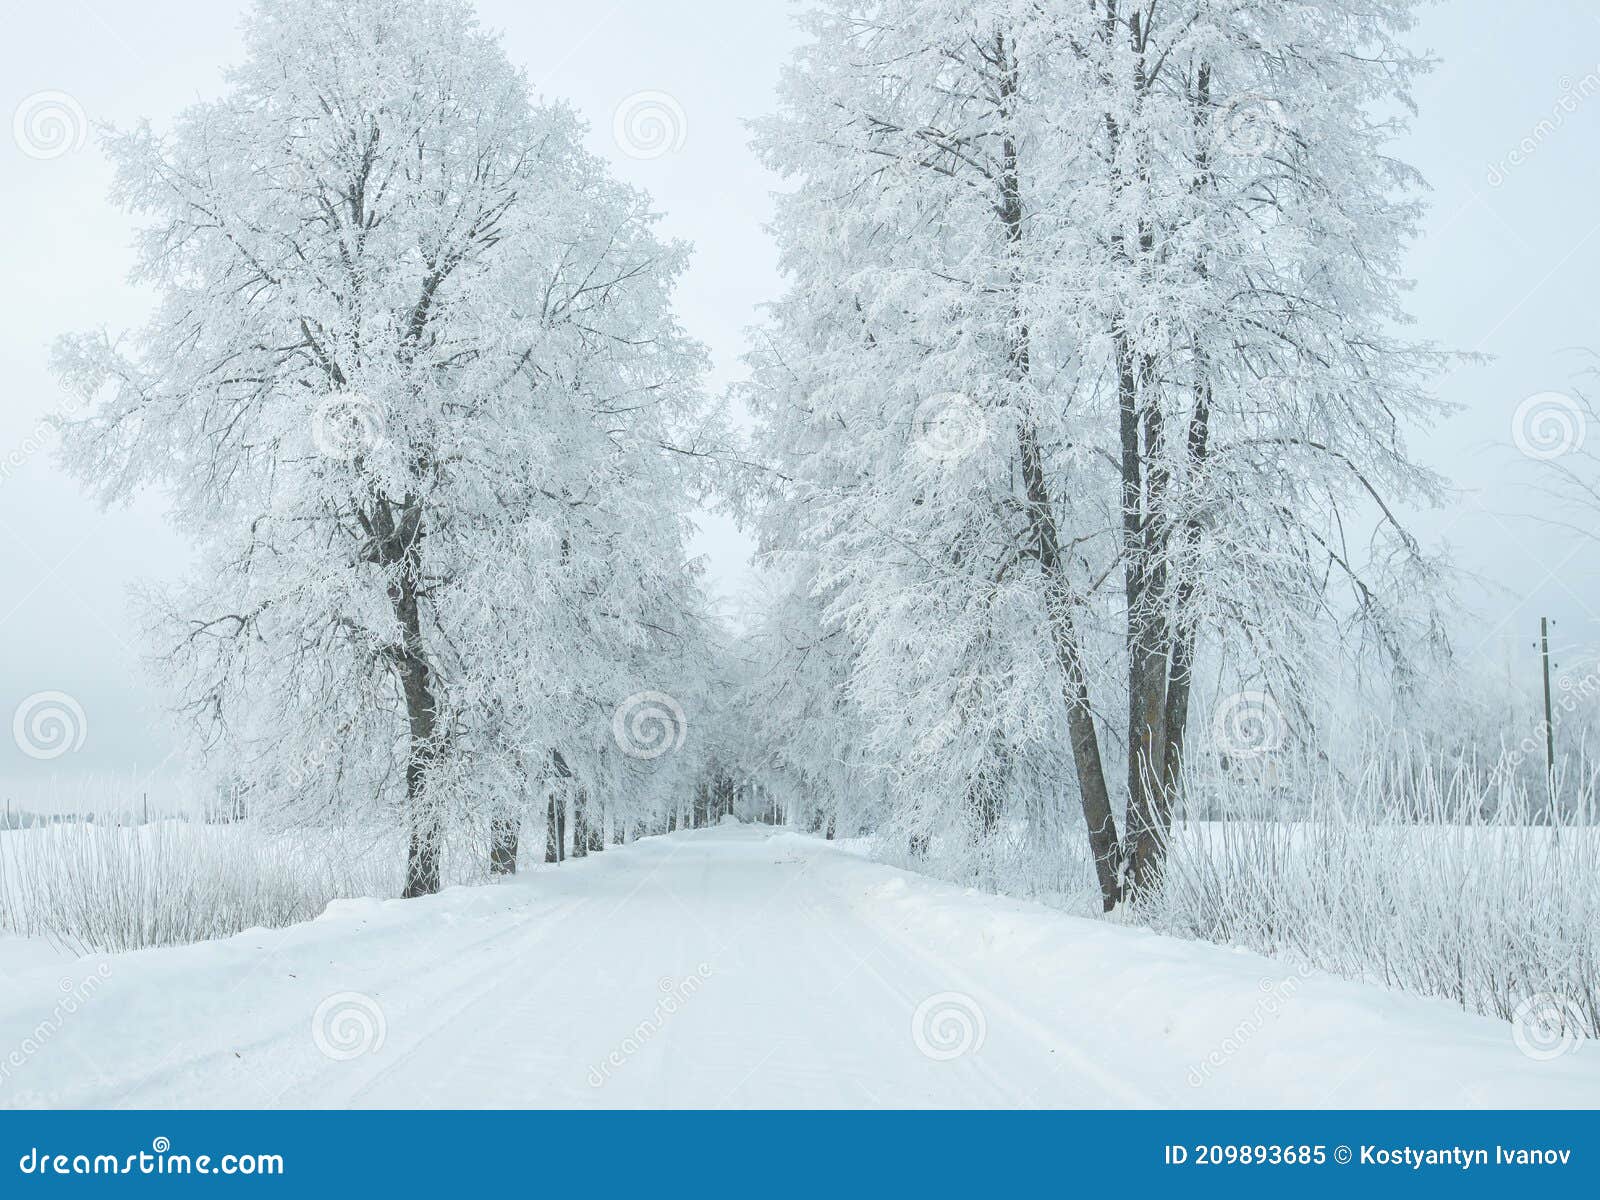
{"x":739,"y":967}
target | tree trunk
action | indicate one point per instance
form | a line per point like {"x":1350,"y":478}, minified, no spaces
{"x":503,"y":837}
{"x":552,"y":831}
{"x":1144,"y":530}
{"x":1146,"y":866}
{"x":1147,"y":636}
{"x":426,"y":828}
{"x":422,"y":849}
{"x":983,"y":807}
{"x":1059,"y":600}
{"x":1169,"y":675}
{"x":580,"y":823}
{"x":1096,"y":800}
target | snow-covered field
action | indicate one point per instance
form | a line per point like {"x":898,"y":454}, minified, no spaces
{"x":738,"y":966}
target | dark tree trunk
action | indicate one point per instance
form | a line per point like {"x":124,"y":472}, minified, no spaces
{"x":983,"y":810}
{"x":552,"y":831}
{"x":503,"y":837}
{"x":422,"y":852}
{"x":426,"y":829}
{"x":394,"y":537}
{"x":580,"y":823}
{"x":985,"y":792}
{"x":559,"y":784}
{"x":1148,"y":637}
{"x":1043,"y":533}
{"x":1168,"y":675}
{"x":1059,"y":603}
{"x":1146,"y":864}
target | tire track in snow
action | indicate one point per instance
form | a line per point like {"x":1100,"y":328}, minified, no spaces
{"x":449,"y":1023}
{"x":1059,"y":1047}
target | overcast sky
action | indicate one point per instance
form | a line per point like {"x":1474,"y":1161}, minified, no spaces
{"x":1508,"y":136}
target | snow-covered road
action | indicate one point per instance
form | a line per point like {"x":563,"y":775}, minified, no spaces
{"x":739,"y":967}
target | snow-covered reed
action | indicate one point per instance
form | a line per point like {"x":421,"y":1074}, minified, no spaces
{"x":1442,"y":878}
{"x":1451,"y":882}
{"x":109,"y":887}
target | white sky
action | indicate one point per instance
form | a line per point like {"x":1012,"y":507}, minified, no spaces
{"x":1510,"y":270}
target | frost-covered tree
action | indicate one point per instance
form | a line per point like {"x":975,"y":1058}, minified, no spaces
{"x":1088,"y":363}
{"x":411,"y":386}
{"x":804,"y":738}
